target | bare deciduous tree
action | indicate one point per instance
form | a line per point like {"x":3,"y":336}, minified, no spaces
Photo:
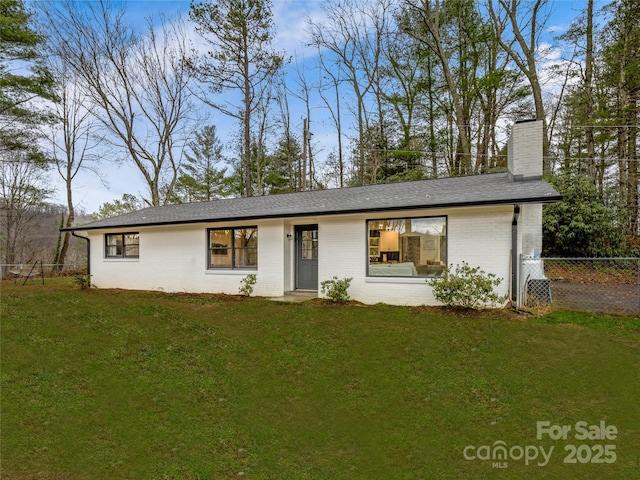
{"x":333,"y":74}
{"x":23,"y":192}
{"x":288,"y":141}
{"x":526,"y":21}
{"x":73,"y":140}
{"x":137,"y":82}
{"x":342,"y":39}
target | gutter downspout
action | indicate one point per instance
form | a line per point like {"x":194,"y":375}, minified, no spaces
{"x":88,"y":250}
{"x":514,"y":253}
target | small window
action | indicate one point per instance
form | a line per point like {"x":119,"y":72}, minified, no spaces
{"x":122,"y":245}
{"x":407,"y":247}
{"x":234,"y":248}
{"x":309,"y":244}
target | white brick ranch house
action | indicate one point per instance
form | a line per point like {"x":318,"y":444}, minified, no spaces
{"x":389,"y":238}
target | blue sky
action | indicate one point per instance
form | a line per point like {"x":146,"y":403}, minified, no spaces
{"x":289,"y":18}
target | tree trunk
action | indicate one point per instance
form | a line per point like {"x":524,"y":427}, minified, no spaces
{"x":67,"y":235}
{"x":526,"y":61}
{"x":588,"y":94}
{"x":303,"y":178}
{"x":247,"y":127}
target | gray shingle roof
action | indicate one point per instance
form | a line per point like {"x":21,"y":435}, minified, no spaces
{"x":489,"y":189}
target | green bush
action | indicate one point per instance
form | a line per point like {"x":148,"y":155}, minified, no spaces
{"x":336,"y":289}
{"x":83,"y":281}
{"x":467,"y":287}
{"x":247,"y":284}
{"x":581,"y":225}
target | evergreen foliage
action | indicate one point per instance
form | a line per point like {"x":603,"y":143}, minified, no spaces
{"x":239,"y":34}
{"x":580,"y":225}
{"x":467,"y":287}
{"x":200,"y":179}
{"x":414,"y":89}
{"x":23,"y":78}
{"x":128,"y":203}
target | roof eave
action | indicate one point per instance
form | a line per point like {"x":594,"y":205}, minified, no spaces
{"x":534,"y":200}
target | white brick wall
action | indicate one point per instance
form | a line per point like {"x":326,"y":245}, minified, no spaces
{"x":525,"y":149}
{"x":173,"y":259}
{"x":479,"y":236}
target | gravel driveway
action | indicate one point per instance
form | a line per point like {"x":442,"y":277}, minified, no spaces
{"x":609,"y":298}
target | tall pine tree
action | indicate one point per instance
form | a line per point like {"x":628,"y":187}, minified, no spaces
{"x":239,"y":33}
{"x":23,"y":78}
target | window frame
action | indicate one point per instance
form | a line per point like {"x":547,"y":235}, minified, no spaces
{"x":368,"y":246}
{"x":124,"y":244}
{"x":231,"y":247}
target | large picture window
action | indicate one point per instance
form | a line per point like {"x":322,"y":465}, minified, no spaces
{"x":234,"y":248}
{"x":122,"y":245}
{"x":407,"y":247}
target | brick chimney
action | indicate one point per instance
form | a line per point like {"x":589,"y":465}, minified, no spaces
{"x":524,"y":150}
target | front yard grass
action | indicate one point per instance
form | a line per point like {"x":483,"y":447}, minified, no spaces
{"x":102,"y":384}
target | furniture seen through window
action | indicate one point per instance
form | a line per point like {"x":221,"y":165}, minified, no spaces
{"x":407,"y":247}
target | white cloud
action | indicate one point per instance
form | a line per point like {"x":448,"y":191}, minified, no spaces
{"x":89,"y":192}
{"x":556,"y":29}
{"x":547,"y":52}
{"x":292,"y":36}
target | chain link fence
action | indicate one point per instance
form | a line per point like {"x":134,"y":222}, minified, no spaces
{"x":50,"y":269}
{"x":607,"y":285}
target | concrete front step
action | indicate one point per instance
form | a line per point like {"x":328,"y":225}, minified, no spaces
{"x":296,"y":296}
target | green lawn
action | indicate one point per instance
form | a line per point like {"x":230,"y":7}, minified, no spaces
{"x":133,"y":385}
